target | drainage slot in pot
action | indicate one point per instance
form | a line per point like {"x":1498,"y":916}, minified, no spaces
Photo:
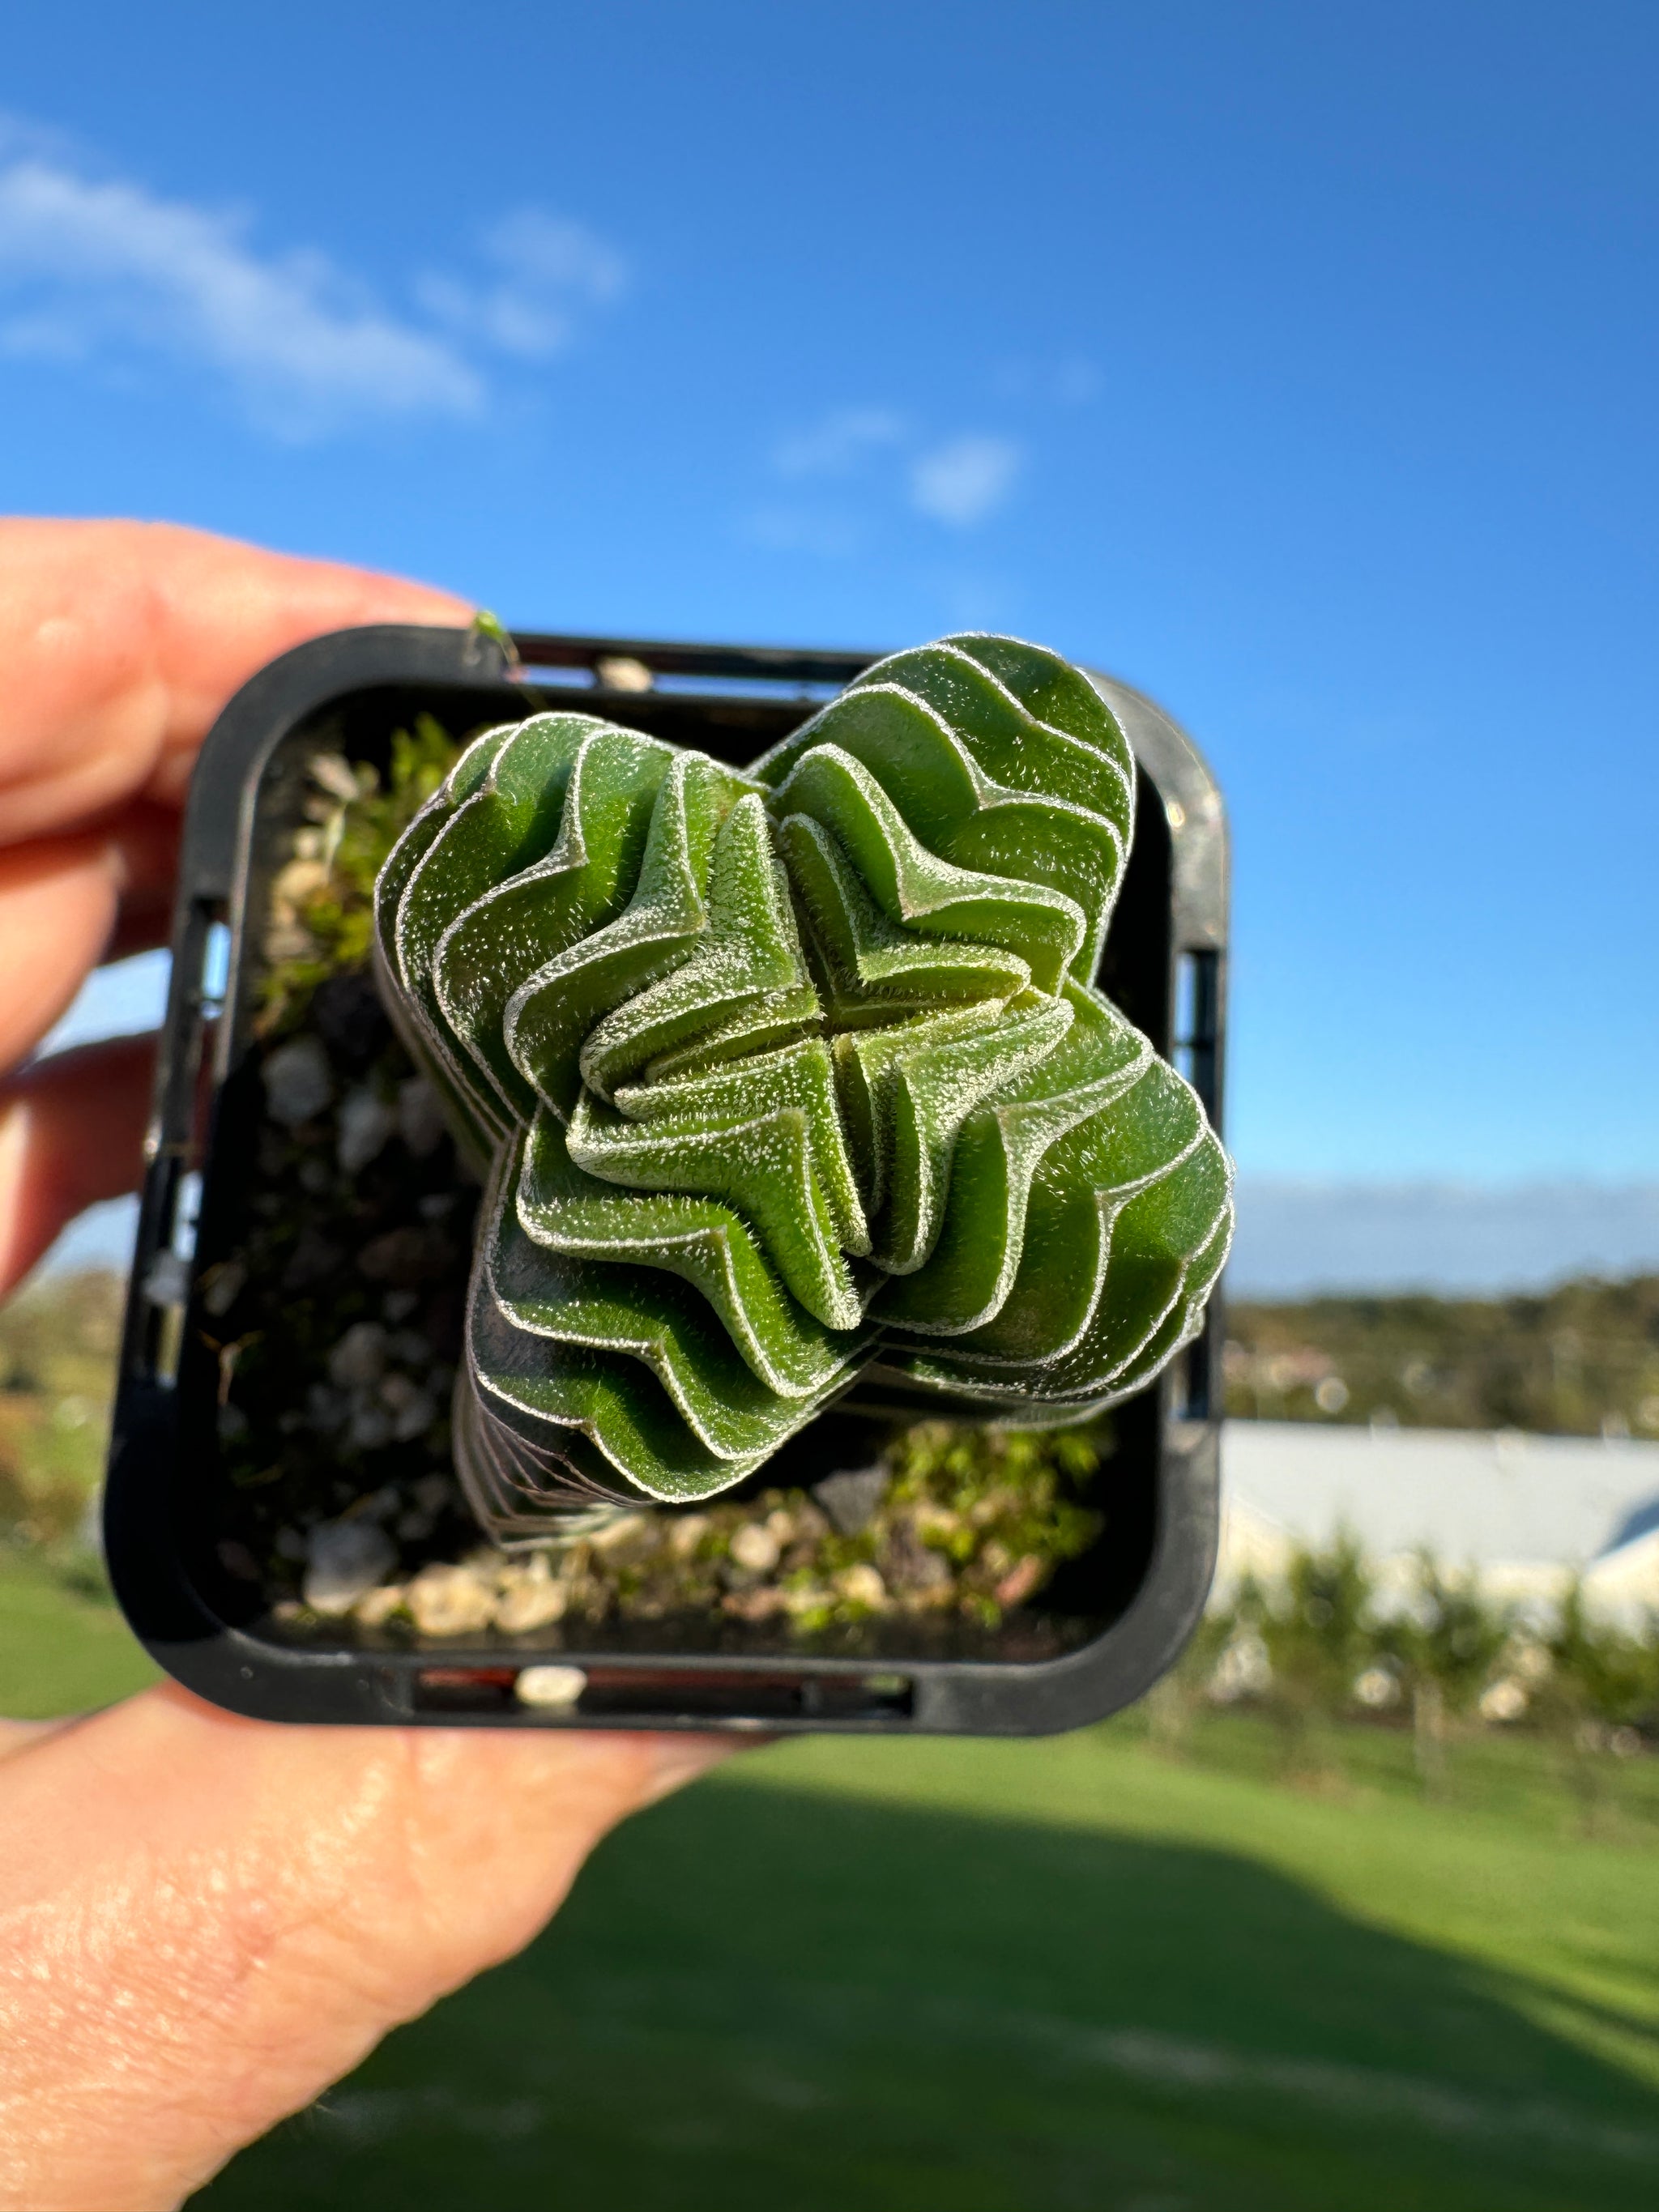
{"x":465,"y":1689}
{"x":173,"y":1191}
{"x":740,"y":1699}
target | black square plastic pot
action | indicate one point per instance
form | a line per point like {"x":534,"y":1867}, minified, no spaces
{"x":1109,"y":1622}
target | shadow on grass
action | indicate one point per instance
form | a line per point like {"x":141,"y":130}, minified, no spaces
{"x":762,"y":1999}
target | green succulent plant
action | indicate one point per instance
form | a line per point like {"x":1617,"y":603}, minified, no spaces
{"x":793,"y":1084}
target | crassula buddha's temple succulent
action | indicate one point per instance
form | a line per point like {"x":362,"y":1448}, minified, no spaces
{"x":792,"y":1085}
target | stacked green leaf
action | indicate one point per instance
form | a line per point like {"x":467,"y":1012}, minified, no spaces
{"x":793,"y":1085}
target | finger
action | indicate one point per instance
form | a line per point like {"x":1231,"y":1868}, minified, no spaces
{"x":71,"y":1132}
{"x":59,"y":902}
{"x":147,"y":837}
{"x":17,"y":1735}
{"x":121,"y":640}
{"x":209,"y":1919}
{"x":68,"y":902}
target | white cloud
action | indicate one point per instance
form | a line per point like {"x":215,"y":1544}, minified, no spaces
{"x":548,"y":269}
{"x":835,"y":446}
{"x":93,"y":264}
{"x":876,"y":457}
{"x":964,"y":480}
{"x":98,"y":268}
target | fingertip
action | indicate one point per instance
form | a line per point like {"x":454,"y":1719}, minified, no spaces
{"x":124,"y":639}
{"x":71,"y":1133}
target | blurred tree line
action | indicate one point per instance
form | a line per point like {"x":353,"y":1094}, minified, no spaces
{"x":1579,"y":1360}
{"x":1333,"y":1642}
{"x":1330,"y":1643}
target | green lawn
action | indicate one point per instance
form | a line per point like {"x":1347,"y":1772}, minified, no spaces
{"x":1028,"y":1978}
{"x":63,"y":1645}
{"x":1068,"y":1974}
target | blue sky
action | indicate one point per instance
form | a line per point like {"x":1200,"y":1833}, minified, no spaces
{"x":1296,"y":362}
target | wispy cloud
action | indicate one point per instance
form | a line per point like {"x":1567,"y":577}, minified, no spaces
{"x":100,"y":268}
{"x":545,"y":271}
{"x":93,"y":266}
{"x":872,"y":457}
{"x":835,"y":446}
{"x":965,"y":480}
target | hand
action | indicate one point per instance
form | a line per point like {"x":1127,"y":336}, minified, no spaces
{"x":204,"y":1920}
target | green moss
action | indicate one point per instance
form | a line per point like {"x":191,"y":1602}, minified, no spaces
{"x":357,"y":816}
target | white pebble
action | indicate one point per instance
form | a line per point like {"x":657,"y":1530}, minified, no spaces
{"x":755,"y":1548}
{"x":530,"y":1598}
{"x":550,"y":1685}
{"x":450,"y":1601}
{"x":616,"y":1535}
{"x":365,"y":1123}
{"x":298,"y":882}
{"x":298,"y":1084}
{"x":359,"y":1358}
{"x":620,"y":671}
{"x":334,"y":772}
{"x":861,"y":1585}
{"x":685,"y":1532}
{"x":344,"y":1560}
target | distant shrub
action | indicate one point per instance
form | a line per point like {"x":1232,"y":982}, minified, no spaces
{"x":58,"y":1342}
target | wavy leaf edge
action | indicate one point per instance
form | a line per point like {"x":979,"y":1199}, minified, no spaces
{"x":791,"y":1086}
